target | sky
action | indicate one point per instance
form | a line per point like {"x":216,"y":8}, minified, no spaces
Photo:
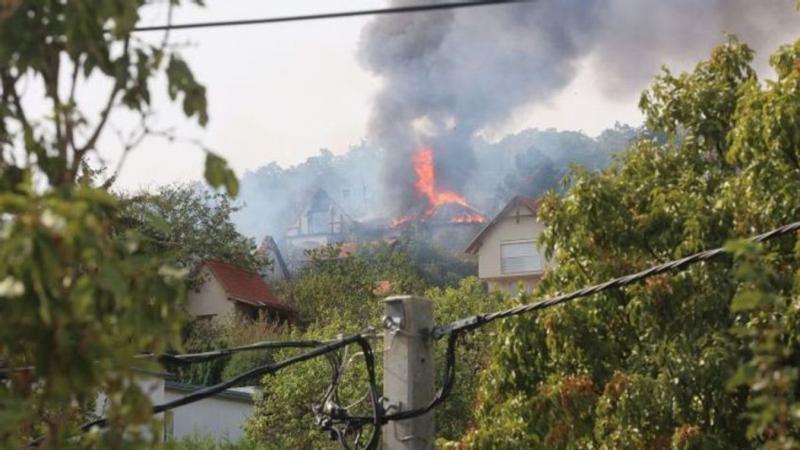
{"x":282,"y":92}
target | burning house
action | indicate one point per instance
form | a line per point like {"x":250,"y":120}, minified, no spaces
{"x":321,"y":222}
{"x":440,"y":215}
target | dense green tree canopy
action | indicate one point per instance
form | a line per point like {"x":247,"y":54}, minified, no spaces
{"x":702,"y":359}
{"x":193,"y":224}
{"x":81,"y":292}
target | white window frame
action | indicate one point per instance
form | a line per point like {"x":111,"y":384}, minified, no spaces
{"x":538,"y":259}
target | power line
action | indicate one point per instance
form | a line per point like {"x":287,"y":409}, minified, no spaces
{"x":338,"y":421}
{"x":322,"y":349}
{"x":454,"y":329}
{"x":191,"y":358}
{"x":482,"y":319}
{"x":334,"y":15}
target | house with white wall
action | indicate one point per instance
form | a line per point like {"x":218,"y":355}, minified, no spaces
{"x":506,"y":247}
{"x":219,"y":417}
{"x":228,"y":289}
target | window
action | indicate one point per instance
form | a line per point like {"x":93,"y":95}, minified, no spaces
{"x":519,"y":257}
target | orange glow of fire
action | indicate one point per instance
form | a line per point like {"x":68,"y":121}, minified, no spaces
{"x":426,"y":182}
{"x":425,"y":186}
{"x":469,"y":218}
{"x":401,"y":220}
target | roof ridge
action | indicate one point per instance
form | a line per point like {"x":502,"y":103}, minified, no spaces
{"x":243,"y":285}
{"x":532,"y":203}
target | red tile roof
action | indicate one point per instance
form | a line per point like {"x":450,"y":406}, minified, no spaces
{"x":244,"y":286}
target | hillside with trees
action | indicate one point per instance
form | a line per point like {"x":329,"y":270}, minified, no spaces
{"x":528,"y":163}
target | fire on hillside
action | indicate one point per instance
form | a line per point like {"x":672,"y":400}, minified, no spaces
{"x":436,"y":206}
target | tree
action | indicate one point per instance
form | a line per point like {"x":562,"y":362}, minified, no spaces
{"x":348,"y":288}
{"x":703,"y":359}
{"x":285,"y":404}
{"x":193,"y":224}
{"x":81,"y":292}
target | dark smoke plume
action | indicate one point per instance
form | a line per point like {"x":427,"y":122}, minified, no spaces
{"x":449,"y":74}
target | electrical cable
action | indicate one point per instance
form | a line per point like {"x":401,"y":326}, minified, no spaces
{"x":334,"y":15}
{"x":471,"y":323}
{"x":336,"y":420}
{"x":209,"y":391}
{"x":482,"y":319}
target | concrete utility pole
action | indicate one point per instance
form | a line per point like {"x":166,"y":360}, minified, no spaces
{"x":408,"y":371}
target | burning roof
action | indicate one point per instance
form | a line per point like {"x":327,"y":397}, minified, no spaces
{"x":435,"y":205}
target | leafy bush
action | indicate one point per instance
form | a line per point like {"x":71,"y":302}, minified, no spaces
{"x":225,"y":332}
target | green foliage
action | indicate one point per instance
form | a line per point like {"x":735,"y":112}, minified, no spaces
{"x":456,"y":416}
{"x":434,"y":266}
{"x":194,"y":225}
{"x":285,"y":404}
{"x":225,"y":332}
{"x":80,"y":298}
{"x":348,"y":288}
{"x":218,"y":174}
{"x":652,"y":366}
{"x":203,"y":336}
{"x":82,"y":291}
{"x":61,"y":45}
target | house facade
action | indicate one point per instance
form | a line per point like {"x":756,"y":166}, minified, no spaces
{"x":321,"y":222}
{"x":506,"y":247}
{"x":220,"y":417}
{"x":227,"y":290}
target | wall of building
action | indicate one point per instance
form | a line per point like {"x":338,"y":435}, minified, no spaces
{"x":218,"y":417}
{"x":152,"y":385}
{"x":512,"y":285}
{"x":508,"y":229}
{"x":209,"y":299}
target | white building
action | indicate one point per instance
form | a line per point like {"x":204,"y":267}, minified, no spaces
{"x":219,"y":417}
{"x":322,"y":222}
{"x":506,"y":247}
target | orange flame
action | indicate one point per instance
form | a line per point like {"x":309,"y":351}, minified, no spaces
{"x":425,"y":186}
{"x":469,"y":218}
{"x":426,"y":182}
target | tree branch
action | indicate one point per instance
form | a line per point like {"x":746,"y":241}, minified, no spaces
{"x":92,"y":141}
{"x":10,"y":88}
{"x":70,"y":126}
